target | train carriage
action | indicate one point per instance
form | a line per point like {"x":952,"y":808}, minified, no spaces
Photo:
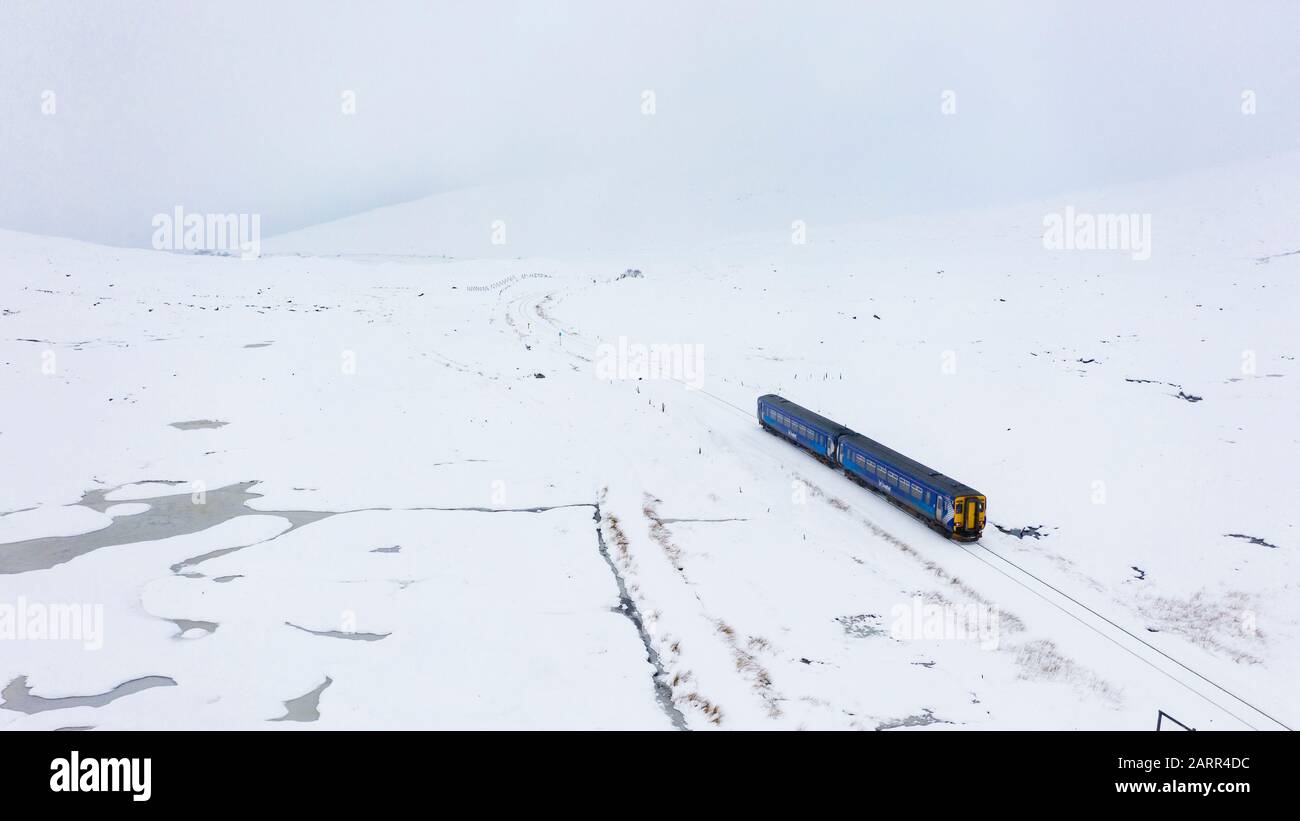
{"x":800,"y":425}
{"x":952,"y":507}
{"x":956,"y":508}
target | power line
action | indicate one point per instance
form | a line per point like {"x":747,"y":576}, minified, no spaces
{"x":1058,"y":606}
{"x":1131,"y":635}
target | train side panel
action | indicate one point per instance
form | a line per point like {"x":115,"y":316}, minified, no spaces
{"x":798,"y":427}
{"x":901,"y":484}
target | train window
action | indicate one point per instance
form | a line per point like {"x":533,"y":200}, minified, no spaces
{"x":916,"y":492}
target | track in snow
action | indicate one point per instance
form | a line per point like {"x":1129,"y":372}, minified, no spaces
{"x":528,"y":308}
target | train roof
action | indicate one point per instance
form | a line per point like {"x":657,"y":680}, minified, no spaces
{"x":928,"y":475}
{"x":835,"y":428}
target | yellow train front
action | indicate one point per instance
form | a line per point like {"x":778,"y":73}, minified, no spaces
{"x":968,"y":518}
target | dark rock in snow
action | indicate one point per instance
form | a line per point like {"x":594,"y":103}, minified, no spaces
{"x":1251,"y":539}
{"x":1022,"y":532}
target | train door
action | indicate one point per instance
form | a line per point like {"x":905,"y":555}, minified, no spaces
{"x":964,"y":513}
{"x":970,"y":513}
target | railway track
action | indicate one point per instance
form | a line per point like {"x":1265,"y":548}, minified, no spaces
{"x":1205,"y":688}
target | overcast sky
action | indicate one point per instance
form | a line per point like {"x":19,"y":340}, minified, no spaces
{"x":236,"y":105}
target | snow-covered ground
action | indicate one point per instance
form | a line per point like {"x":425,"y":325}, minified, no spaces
{"x":382,"y":477}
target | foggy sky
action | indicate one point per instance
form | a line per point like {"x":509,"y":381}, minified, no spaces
{"x":235,"y":105}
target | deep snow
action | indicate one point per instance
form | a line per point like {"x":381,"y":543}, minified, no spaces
{"x":373,"y":384}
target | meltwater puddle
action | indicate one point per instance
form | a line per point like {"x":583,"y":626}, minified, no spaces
{"x":178,"y":515}
{"x":172,"y":515}
{"x":305,"y":707}
{"x":18,"y":695}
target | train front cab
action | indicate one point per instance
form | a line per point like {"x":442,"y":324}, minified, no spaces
{"x":968,"y":517}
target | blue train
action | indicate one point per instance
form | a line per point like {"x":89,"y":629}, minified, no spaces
{"x":955,"y":509}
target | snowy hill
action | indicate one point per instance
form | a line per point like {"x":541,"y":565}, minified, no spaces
{"x":391,"y":475}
